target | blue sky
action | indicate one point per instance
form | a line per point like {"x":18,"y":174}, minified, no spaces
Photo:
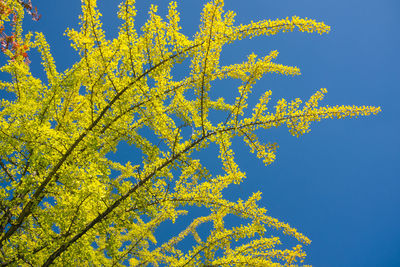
{"x":339,"y":184}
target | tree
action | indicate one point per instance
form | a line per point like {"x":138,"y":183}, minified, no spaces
{"x":61,"y":201}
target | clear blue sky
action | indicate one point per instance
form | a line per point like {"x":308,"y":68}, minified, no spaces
{"x":339,"y":184}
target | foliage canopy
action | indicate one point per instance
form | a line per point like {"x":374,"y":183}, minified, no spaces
{"x":61,"y":201}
